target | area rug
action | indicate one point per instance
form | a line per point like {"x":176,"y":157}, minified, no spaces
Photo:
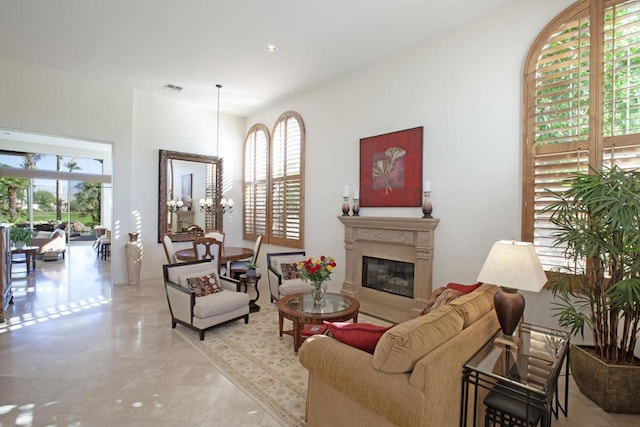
{"x":261,"y":363}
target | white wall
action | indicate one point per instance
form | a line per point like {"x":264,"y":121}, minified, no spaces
{"x":164,"y":124}
{"x":49,"y":101}
{"x":465,"y":88}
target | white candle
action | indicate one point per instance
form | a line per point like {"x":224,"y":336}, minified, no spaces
{"x":356,"y":194}
{"x":345,"y":191}
{"x":427,"y":186}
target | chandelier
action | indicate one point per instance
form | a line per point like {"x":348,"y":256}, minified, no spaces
{"x":206,"y":205}
{"x":174,"y":205}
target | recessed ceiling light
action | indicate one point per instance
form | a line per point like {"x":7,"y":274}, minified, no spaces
{"x":271,"y":48}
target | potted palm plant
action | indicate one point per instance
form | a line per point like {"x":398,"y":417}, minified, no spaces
{"x":597,"y":222}
{"x":21,"y":236}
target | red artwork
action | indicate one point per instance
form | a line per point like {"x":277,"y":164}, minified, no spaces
{"x":391,"y":169}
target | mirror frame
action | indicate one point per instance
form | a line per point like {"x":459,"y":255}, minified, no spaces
{"x":164,"y":157}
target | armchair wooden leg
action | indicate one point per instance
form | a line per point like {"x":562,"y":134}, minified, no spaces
{"x":173,"y":324}
{"x":201,"y":335}
{"x":246,"y":319}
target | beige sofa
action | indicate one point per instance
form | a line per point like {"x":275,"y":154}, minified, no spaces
{"x":414,"y":377}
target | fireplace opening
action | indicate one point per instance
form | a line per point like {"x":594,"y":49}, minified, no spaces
{"x":395,"y":277}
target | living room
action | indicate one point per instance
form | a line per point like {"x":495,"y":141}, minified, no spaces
{"x":463,"y":85}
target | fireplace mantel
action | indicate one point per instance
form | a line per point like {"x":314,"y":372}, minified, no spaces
{"x":399,"y":239}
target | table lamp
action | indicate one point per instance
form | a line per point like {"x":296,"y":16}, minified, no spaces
{"x":512,"y":265}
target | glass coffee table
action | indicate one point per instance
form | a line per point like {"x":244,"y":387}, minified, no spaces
{"x":300,"y":309}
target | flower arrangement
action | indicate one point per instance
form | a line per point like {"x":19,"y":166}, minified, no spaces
{"x":318,"y":270}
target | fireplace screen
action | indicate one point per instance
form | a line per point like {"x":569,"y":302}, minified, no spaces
{"x":386,"y":275}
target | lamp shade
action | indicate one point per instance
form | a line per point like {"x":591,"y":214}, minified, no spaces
{"x":514,"y":265}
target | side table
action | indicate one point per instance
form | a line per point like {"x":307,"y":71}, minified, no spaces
{"x":519,"y":378}
{"x":246,"y":281}
{"x":30,"y":253}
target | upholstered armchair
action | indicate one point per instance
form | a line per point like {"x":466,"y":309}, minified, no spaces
{"x":284,"y":278}
{"x":184,"y":282}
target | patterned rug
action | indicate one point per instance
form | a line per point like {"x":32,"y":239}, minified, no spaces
{"x":261,"y":363}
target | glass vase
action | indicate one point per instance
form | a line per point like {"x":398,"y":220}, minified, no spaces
{"x":317,"y":293}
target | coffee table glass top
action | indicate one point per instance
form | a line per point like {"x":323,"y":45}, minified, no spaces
{"x":331,"y":303}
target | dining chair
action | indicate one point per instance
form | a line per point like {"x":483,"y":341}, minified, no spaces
{"x":236,"y":268}
{"x":216,"y":234}
{"x":208,"y":248}
{"x":104,"y":245}
{"x":169,"y":251}
{"x":195,"y":229}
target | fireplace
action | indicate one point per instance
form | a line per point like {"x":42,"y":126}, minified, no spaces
{"x":386,"y":275}
{"x":406,"y":244}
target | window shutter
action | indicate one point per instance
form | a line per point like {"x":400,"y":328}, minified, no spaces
{"x":287,"y":178}
{"x":255,"y":183}
{"x":561,"y":125}
{"x":559,"y":102}
{"x":562,"y":86}
{"x":550,"y":171}
{"x":622,"y":69}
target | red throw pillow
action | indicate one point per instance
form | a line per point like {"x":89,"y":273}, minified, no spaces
{"x":465,"y":289}
{"x":364,"y":336}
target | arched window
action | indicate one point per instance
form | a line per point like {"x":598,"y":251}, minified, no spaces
{"x":255,"y":182}
{"x":582,"y":106}
{"x":274,"y":182}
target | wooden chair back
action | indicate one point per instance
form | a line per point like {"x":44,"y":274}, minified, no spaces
{"x":195,"y":229}
{"x":216,"y":234}
{"x":208,"y":248}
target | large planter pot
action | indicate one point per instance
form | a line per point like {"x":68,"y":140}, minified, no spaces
{"x":612,"y":387}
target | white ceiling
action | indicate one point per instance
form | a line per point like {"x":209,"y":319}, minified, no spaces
{"x":197,"y":44}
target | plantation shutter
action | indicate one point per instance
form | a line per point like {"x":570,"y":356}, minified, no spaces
{"x":287,"y":178}
{"x":563,"y":133}
{"x":622,"y":86}
{"x":622,"y":69}
{"x":256,"y":166}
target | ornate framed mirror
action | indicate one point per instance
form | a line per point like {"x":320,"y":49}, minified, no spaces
{"x":185,"y":179}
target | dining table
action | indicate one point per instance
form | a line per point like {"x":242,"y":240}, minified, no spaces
{"x":229,"y":254}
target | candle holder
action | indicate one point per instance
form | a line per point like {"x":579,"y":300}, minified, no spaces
{"x":345,"y":206}
{"x":427,"y":207}
{"x":356,"y":207}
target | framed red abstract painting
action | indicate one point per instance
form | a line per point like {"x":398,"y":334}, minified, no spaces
{"x":391,"y":169}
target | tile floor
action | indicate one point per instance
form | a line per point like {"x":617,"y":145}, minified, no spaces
{"x":78,"y":351}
